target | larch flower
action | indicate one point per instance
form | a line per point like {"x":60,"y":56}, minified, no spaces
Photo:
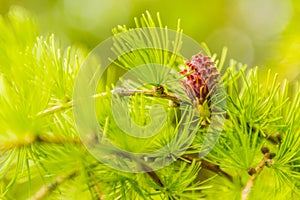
{"x":201,"y":76}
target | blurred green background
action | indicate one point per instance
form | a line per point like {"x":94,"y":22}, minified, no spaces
{"x":257,"y":32}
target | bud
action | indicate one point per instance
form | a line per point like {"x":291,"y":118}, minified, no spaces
{"x":265,"y":150}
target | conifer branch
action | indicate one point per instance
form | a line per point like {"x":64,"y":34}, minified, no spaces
{"x":53,"y":140}
{"x":254,"y":172}
{"x":209,"y":166}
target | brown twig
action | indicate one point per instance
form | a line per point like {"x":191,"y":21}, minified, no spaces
{"x":48,"y":189}
{"x":152,"y":174}
{"x":209,"y":166}
{"x":151,"y":93}
{"x":267,"y":159}
{"x":121,"y":92}
{"x":30,"y":140}
{"x":95,"y":186}
{"x":57,"y":140}
{"x":55,"y":109}
{"x":146,"y":168}
{"x":274,"y":139}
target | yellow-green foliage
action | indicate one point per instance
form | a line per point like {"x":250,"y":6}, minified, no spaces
{"x":41,"y":155}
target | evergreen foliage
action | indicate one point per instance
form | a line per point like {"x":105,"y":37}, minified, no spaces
{"x":41,"y":156}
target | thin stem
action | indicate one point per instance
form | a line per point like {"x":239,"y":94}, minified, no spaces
{"x":151,"y":93}
{"x":27,"y":141}
{"x":48,"y":189}
{"x":121,"y":92}
{"x":95,"y":186}
{"x":255,"y":172}
{"x":55,"y":109}
{"x":273,"y":139}
{"x":209,"y":166}
{"x":152,"y":174}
